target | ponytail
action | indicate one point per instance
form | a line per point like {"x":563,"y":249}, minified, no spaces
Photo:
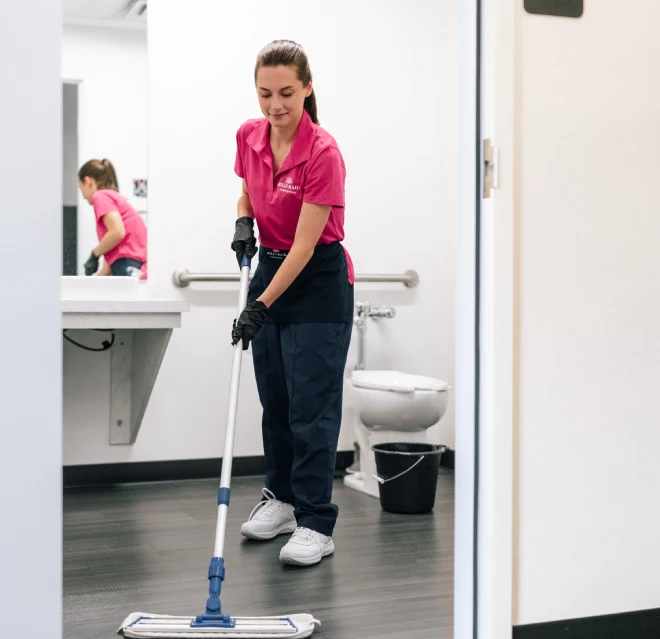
{"x":310,"y":107}
{"x":110,"y":175}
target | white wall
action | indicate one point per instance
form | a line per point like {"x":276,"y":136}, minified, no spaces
{"x":386,"y":85}
{"x":111,"y":67}
{"x":588,"y":305}
{"x":30,"y":364}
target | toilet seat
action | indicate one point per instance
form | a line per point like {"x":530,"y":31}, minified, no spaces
{"x":396,"y":381}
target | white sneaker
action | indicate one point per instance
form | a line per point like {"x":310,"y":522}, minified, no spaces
{"x":306,"y":547}
{"x":269,"y":519}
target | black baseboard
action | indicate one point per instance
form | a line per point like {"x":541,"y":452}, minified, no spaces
{"x":644,"y":624}
{"x":107,"y":474}
{"x":132,"y":472}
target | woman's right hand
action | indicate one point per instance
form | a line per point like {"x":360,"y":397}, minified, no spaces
{"x":244,"y":241}
{"x":92,"y":264}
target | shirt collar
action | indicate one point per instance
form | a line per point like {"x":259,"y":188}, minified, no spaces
{"x":303,"y":141}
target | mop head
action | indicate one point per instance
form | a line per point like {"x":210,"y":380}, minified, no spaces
{"x":141,"y":625}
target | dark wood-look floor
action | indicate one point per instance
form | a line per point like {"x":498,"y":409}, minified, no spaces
{"x":147,"y":548}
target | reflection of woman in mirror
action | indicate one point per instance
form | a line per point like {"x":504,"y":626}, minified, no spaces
{"x":121,"y":231}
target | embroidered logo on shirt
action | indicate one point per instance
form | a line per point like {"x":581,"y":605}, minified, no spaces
{"x":288,"y":186}
{"x":277,"y":255}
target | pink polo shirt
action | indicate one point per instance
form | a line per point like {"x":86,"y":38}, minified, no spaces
{"x":134,"y":244}
{"x":313,"y":172}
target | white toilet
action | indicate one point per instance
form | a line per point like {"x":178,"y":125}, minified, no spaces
{"x":388,"y":407}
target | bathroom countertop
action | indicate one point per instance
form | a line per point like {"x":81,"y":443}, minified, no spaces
{"x":132,"y":313}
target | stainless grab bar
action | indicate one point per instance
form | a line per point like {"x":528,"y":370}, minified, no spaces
{"x":182,"y":277}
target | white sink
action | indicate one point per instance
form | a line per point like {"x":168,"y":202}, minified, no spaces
{"x":99,"y":288}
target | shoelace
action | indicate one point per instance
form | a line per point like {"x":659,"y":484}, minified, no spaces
{"x":269,"y":507}
{"x":304,"y":534}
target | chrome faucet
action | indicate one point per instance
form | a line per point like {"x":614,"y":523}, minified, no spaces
{"x":363,"y":311}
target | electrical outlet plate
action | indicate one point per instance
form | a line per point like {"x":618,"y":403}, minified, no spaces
{"x":561,"y":8}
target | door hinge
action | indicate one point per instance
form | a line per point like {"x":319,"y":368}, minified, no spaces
{"x":490,"y":167}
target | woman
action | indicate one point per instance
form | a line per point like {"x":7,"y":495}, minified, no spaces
{"x":121,"y":231}
{"x":300,"y":302}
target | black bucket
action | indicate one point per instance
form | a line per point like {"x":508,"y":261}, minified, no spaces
{"x":408,"y":476}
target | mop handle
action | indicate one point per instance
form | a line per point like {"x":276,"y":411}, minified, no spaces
{"x":225,"y":478}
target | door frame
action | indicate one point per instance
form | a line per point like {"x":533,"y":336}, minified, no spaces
{"x":80,"y":201}
{"x":486,"y":316}
{"x":466,"y":501}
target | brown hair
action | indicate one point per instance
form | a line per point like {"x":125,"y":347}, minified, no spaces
{"x":102,"y":171}
{"x":289,"y":53}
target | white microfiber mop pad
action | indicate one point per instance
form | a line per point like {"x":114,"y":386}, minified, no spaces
{"x":142,"y":625}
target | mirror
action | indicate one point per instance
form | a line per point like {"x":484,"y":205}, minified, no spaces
{"x":104,"y":122}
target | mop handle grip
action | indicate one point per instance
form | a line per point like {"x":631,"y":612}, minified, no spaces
{"x":246,"y":261}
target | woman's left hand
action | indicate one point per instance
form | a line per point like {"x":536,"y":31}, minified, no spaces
{"x":249,"y":323}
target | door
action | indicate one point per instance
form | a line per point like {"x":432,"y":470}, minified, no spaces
{"x":587,"y":309}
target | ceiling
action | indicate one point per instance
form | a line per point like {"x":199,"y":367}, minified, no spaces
{"x":120,"y":14}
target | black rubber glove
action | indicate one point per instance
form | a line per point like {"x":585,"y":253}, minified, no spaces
{"x":249,"y":323}
{"x":91,"y":265}
{"x":244,"y":240}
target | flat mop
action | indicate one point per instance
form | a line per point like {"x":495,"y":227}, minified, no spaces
{"x":213,"y":623}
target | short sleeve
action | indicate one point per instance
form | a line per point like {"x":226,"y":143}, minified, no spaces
{"x":325,"y":179}
{"x":238,"y":165}
{"x":103,"y":204}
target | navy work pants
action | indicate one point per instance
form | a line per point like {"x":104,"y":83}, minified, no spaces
{"x":121,"y":266}
{"x":300,"y":371}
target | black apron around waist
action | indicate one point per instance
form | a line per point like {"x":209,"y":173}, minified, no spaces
{"x":320,"y":293}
